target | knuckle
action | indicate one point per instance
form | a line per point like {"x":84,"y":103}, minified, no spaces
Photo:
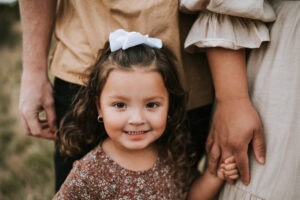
{"x":208,"y":147}
{"x":52,"y":120}
{"x":209,"y":144}
{"x":35,"y":134}
{"x":23,"y":110}
{"x":49,"y":103}
{"x":213,"y":157}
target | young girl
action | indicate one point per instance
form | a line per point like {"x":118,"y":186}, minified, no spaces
{"x":132,"y":111}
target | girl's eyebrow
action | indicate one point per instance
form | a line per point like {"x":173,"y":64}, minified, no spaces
{"x":155,"y":98}
{"x":118,"y":97}
{"x":151,"y":98}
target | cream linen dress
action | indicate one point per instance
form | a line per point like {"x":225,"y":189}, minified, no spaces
{"x":273,"y":70}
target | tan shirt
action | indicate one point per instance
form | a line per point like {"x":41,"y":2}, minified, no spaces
{"x":82,"y":28}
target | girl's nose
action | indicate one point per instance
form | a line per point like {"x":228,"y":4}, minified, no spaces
{"x":136,"y":118}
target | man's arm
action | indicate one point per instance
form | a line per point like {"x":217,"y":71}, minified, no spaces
{"x":236,"y":123}
{"x":36,"y":92}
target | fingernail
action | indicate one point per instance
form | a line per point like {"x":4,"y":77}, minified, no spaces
{"x":261,"y":160}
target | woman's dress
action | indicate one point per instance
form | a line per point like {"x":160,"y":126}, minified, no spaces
{"x":273,"y":70}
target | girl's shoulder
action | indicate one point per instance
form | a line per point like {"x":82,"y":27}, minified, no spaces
{"x":92,"y":163}
{"x":86,"y":177}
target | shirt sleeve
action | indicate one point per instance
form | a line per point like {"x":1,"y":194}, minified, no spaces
{"x":231,"y":24}
{"x":75,"y":186}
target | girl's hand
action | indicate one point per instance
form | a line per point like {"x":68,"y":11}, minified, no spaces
{"x":228,"y":170}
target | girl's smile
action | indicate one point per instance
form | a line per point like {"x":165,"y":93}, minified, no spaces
{"x":136,"y":132}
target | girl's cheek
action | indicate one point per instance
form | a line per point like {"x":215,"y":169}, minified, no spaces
{"x":159,"y":119}
{"x":113,"y":120}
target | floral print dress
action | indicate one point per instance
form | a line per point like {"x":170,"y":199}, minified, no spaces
{"x":97,"y":176}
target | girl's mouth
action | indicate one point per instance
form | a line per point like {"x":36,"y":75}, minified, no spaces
{"x":136,"y":132}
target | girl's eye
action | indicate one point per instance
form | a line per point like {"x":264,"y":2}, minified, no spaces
{"x":152,"y":105}
{"x":119,"y":105}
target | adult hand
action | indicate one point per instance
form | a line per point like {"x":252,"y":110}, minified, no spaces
{"x":235,"y":125}
{"x":36,"y":95}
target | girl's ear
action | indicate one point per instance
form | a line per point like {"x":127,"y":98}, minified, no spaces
{"x":97,"y":102}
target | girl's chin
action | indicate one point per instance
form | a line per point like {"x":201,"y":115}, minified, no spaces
{"x":136,"y":146}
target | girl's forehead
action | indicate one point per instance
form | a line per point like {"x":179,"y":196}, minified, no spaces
{"x":114,"y":66}
{"x":134,"y":82}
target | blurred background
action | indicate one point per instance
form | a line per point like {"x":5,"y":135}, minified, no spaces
{"x":26,"y":163}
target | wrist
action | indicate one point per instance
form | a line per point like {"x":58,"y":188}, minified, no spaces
{"x":236,"y":98}
{"x":35,"y":66}
{"x":34,"y":75}
{"x":231,"y":92}
{"x":212,"y":176}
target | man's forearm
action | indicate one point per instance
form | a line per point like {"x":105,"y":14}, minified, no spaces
{"x":37,"y":24}
{"x":228,"y":68}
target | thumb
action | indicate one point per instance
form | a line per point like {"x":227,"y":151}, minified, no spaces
{"x":258,"y":145}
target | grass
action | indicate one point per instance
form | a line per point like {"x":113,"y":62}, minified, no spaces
{"x":26,"y":163}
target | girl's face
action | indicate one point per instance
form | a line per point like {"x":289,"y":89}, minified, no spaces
{"x":134,"y":106}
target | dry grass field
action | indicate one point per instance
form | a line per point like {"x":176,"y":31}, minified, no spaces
{"x":26,"y":164}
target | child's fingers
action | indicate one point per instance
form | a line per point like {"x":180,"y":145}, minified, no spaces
{"x":230,"y":166}
{"x":230,"y":159}
{"x":233,"y":177}
{"x":231,"y":172}
{"x":221,"y":174}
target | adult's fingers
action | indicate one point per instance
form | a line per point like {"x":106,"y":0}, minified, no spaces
{"x":230,"y":159}
{"x":39,"y":128}
{"x":45,"y":131}
{"x":51,"y":116}
{"x":25,"y":125}
{"x":47,"y":134}
{"x":242,"y":163}
{"x":213,"y":158}
{"x":32,"y":120}
{"x":226,"y":154}
{"x":258,"y":145}
{"x":209,"y":141}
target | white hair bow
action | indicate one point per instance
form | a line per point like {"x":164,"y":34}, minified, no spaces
{"x":123,"y":39}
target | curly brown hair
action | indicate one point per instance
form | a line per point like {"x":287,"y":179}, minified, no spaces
{"x":80,"y":129}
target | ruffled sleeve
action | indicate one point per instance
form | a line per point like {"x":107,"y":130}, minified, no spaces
{"x":231,"y":24}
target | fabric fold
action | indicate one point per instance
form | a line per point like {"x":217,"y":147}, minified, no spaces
{"x":251,"y":9}
{"x":219,"y":30}
{"x":232,"y":192}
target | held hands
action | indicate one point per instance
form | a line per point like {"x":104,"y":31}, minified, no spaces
{"x":228,"y":170}
{"x":235,"y":125}
{"x":36,"y":95}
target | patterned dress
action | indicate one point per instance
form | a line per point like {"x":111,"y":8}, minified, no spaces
{"x":97,"y":176}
